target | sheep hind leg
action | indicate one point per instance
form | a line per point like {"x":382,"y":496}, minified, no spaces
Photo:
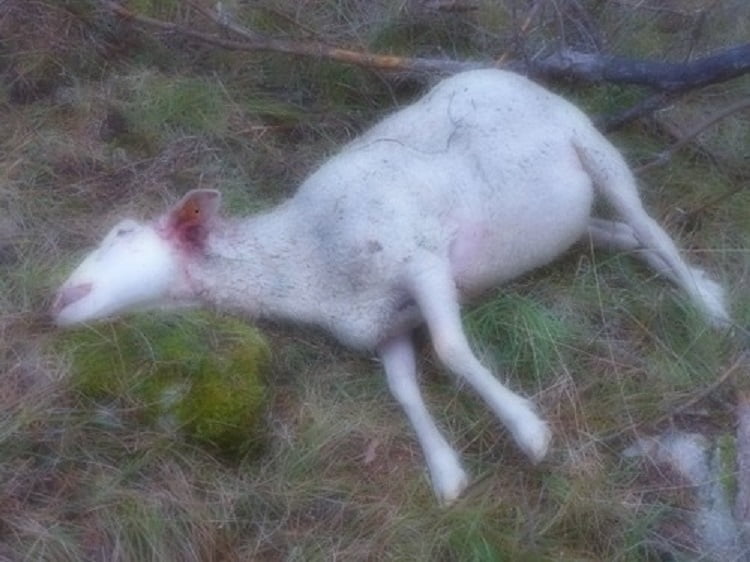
{"x":654,"y":246}
{"x":614,"y":180}
{"x":617,"y":236}
{"x":434,"y":290}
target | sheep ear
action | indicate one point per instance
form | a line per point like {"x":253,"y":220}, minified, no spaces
{"x":191,"y":218}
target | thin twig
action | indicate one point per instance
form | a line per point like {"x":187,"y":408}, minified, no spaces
{"x":535,"y":7}
{"x":698,"y":28}
{"x":563,"y":45}
{"x":712,"y":202}
{"x":742,"y":359}
{"x":646,"y":106}
{"x":587,"y":26}
{"x":667,"y":154}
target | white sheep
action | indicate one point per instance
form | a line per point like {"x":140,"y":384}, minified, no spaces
{"x":486,"y":177}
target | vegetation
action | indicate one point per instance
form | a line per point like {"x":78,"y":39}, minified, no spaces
{"x":199,"y":374}
{"x":100,"y":120}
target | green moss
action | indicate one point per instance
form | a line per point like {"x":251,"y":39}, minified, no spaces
{"x":198,"y":373}
{"x":223,"y":401}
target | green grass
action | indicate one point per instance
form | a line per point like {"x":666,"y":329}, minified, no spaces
{"x":521,"y":335}
{"x":114,"y":122}
{"x":158,"y":108}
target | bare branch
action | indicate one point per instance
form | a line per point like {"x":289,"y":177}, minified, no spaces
{"x":668,"y":79}
{"x":666,"y":155}
{"x":699,"y":27}
{"x":255,"y":42}
{"x":522,"y":31}
{"x":740,"y":364}
{"x":646,"y":106}
{"x":662,"y":76}
{"x":712,"y":202}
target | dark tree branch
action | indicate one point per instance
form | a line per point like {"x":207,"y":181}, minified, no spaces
{"x":253,"y":42}
{"x":663,"y":76}
{"x":666,"y":78}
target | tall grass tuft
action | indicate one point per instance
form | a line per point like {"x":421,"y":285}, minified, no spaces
{"x":521,"y":335}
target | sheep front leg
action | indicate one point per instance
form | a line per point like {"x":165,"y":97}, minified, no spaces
{"x":433,"y":288}
{"x":447,"y":476}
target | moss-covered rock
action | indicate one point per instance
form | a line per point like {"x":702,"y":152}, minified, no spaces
{"x":196,"y":373}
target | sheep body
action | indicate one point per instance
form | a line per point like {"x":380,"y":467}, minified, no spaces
{"x":486,"y":177}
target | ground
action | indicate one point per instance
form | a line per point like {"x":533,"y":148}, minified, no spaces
{"x":100,"y":120}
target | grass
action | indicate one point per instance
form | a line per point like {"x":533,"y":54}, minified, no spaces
{"x":161,"y":106}
{"x":123,"y":124}
{"x":521,"y":335}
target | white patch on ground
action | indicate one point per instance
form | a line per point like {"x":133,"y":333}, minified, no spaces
{"x":698,"y":460}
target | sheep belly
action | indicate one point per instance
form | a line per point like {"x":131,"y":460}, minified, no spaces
{"x":520,"y":237}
